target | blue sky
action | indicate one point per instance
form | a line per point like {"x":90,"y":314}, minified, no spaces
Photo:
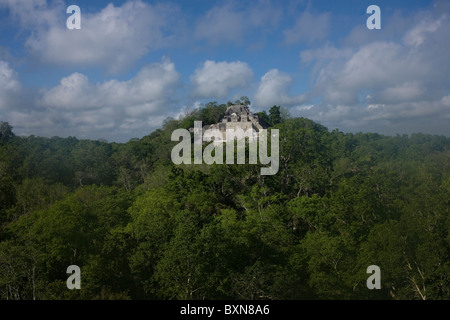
{"x":136,"y":62}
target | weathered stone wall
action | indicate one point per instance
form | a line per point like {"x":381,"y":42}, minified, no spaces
{"x":236,"y":117}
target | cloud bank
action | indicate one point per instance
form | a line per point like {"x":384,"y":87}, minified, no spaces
{"x":113,"y":39}
{"x":112,"y":82}
{"x":111,"y":109}
{"x":385,"y":85}
{"x":218,"y":79}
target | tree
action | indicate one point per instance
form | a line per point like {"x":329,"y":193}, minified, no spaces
{"x":275,"y":115}
{"x":245,"y":101}
{"x":37,"y":194}
{"x":5,"y":132}
{"x":263,"y":116}
{"x":187,"y":269}
{"x":76,"y":230}
{"x":20,"y":271}
{"x":7,"y":191}
{"x":152,"y":230}
{"x":284,"y":113}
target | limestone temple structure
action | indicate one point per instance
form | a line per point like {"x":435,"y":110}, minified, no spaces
{"x":235,"y":117}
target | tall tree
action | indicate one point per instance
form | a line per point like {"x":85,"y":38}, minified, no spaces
{"x":6,"y":132}
{"x":275,"y":115}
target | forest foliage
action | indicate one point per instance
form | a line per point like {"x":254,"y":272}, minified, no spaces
{"x":140,"y":227}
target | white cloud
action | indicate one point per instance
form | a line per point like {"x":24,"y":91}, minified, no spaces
{"x":218,"y":79}
{"x":394,"y":85}
{"x":273,"y":89}
{"x":406,"y":92}
{"x":221,"y":24}
{"x":309,"y":27}
{"x":113,"y":38}
{"x":391,"y":71}
{"x":305,"y":107}
{"x":9,"y":80}
{"x":10,"y":86}
{"x":153,"y":82}
{"x":393,"y":79}
{"x":377,"y":66}
{"x":73,"y":92}
{"x":34,"y":14}
{"x":234,"y":21}
{"x":115,"y":110}
{"x":417,"y":35}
